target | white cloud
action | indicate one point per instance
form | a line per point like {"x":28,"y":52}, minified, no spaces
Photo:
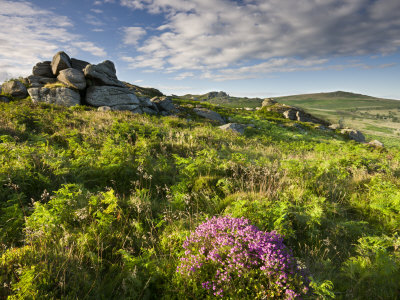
{"x":211,"y":35}
{"x":90,"y":47}
{"x":132,"y":35}
{"x":96,"y":11}
{"x":29,"y":34}
{"x":99,"y":2}
{"x":184,"y":75}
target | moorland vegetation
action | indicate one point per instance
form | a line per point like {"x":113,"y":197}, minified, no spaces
{"x":110,"y":205}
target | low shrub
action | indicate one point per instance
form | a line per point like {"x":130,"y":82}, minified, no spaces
{"x":229,"y":257}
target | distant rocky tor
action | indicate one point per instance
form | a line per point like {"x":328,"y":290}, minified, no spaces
{"x":70,"y":81}
{"x":291,"y":112}
{"x":297,"y":114}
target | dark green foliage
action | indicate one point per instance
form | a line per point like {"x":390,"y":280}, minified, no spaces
{"x":97,"y":205}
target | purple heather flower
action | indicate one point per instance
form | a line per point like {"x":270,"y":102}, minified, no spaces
{"x":226,"y":248}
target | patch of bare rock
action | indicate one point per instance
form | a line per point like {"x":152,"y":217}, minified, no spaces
{"x":209,"y":114}
{"x":236,"y":127}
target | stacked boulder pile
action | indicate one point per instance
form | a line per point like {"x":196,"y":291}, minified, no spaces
{"x":69,"y":81}
{"x":291,"y":112}
{"x":297,"y":114}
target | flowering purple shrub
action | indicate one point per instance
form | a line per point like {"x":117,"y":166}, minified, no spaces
{"x":228,"y":257}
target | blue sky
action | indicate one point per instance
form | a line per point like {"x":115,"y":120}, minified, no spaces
{"x":254,"y":48}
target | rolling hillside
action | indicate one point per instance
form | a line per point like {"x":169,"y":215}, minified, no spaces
{"x":377,"y":118}
{"x":113,"y":205}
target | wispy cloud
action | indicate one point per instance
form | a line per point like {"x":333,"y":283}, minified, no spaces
{"x":96,"y":11}
{"x":211,"y":35}
{"x":93,"y":20}
{"x":184,"y":75}
{"x":101,"y":2}
{"x":46,"y":32}
{"x":132,"y":35}
{"x":90,"y":47}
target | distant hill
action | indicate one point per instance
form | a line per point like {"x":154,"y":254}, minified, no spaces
{"x":376,"y":117}
{"x":223,"y":99}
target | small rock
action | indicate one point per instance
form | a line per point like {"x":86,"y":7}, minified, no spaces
{"x":303,"y":117}
{"x":290,"y":114}
{"x":149,"y":111}
{"x":130,"y":107}
{"x":43,"y":69}
{"x":72,"y":78}
{"x":137,"y":111}
{"x":145,"y":102}
{"x":155,"y":108}
{"x":60,"y":62}
{"x":4,"y":99}
{"x":335,"y":126}
{"x":376,"y":143}
{"x":354,"y":135}
{"x":103,"y":108}
{"x":165,"y":113}
{"x":209,"y":114}
{"x":103,"y":74}
{"x":38,"y":81}
{"x":109,"y":96}
{"x":60,"y":96}
{"x":164,"y":104}
{"x":15,"y":88}
{"x":268,"y":102}
{"x":78,"y":64}
{"x":239,"y":128}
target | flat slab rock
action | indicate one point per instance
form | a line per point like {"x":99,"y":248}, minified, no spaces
{"x":376,"y":143}
{"x":209,"y":114}
{"x":60,"y":96}
{"x":38,"y":81}
{"x":110,"y":96}
{"x":239,"y":128}
{"x":72,"y":78}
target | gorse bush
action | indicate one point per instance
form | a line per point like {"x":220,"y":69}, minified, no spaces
{"x":229,"y":257}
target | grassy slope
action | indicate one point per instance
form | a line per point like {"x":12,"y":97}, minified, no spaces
{"x":377,"y":118}
{"x":97,"y":204}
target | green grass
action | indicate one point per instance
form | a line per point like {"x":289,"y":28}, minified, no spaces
{"x":97,"y":205}
{"x":373,"y":116}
